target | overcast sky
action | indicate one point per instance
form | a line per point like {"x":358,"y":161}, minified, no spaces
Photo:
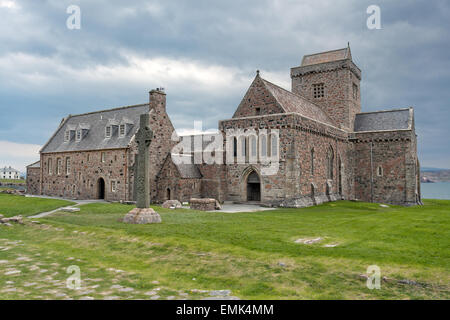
{"x":205,"y":54}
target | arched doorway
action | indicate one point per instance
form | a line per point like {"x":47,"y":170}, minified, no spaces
{"x":101,"y":189}
{"x":253,"y":187}
{"x":168,"y":194}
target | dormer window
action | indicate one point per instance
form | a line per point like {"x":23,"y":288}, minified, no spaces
{"x":108,"y":132}
{"x":122,"y":130}
{"x":67,"y":136}
{"x":79,"y":135}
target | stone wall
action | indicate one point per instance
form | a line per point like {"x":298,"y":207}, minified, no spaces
{"x":203,"y":204}
{"x":386,"y":172}
{"x":214,"y":181}
{"x":86,"y":170}
{"x":162,"y":143}
{"x":33,"y":181}
{"x":257,"y":97}
{"x":170,"y":185}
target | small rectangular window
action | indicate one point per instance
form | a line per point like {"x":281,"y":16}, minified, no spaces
{"x":67,"y":136}
{"x":67,"y":165}
{"x":58,"y":166}
{"x":78,"y":135}
{"x":355,"y":91}
{"x":258,"y":111}
{"x":380,"y":171}
{"x":103,"y":157}
{"x":49,"y":167}
{"x":318,"y":90}
{"x":113,"y":186}
{"x":122,"y":130}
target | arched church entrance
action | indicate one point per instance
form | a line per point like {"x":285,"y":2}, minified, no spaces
{"x":253,"y":187}
{"x":101,"y":188}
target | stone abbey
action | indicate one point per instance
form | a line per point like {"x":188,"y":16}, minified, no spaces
{"x":327,"y":149}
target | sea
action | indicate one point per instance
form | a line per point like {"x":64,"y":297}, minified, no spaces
{"x":437,"y":190}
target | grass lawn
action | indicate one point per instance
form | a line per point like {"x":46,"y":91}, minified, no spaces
{"x":251,"y":254}
{"x":12,"y":205}
{"x":12,"y":181}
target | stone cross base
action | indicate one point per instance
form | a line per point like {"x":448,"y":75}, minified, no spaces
{"x":142,"y":216}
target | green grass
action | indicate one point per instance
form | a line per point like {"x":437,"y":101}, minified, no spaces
{"x":12,"y":205}
{"x":12,"y":181}
{"x":252,"y":254}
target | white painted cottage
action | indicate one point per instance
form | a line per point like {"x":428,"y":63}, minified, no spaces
{"x":9,"y":173}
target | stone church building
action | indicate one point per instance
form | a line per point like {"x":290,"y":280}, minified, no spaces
{"x":325,"y":147}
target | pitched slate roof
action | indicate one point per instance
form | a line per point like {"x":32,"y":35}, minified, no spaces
{"x":186,"y":167}
{"x":327,"y":56}
{"x":384,"y":120}
{"x":36,"y":164}
{"x":291,"y":102}
{"x":93,"y":124}
{"x":8,"y":169}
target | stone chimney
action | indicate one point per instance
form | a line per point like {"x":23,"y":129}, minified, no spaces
{"x":158,"y":100}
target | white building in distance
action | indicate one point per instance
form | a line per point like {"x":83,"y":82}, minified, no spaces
{"x":9,"y":173}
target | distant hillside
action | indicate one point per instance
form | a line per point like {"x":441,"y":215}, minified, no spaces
{"x":434,"y":175}
{"x":431,"y":169}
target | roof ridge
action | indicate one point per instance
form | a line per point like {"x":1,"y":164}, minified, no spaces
{"x":106,"y":110}
{"x":390,"y":110}
{"x":314,"y":54}
{"x":32,"y":164}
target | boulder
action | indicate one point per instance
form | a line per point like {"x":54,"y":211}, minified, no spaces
{"x":16,"y":219}
{"x":171,"y":204}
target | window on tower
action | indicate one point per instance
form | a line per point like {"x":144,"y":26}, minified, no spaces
{"x":355,"y":91}
{"x":318,"y":90}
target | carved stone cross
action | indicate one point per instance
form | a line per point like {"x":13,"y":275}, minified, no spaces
{"x":143,"y":138}
{"x":142,"y":213}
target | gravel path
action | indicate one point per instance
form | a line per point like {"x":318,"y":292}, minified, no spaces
{"x":78,"y":202}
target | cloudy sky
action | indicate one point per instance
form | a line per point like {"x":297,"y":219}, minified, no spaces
{"x":205,"y":53}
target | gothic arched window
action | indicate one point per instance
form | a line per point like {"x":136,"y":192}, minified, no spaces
{"x":253,"y":148}
{"x":243,"y":146}
{"x":273,"y":144}
{"x":263,"y":147}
